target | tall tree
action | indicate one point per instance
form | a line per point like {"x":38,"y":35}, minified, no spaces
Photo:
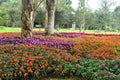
{"x":117,"y":17}
{"x":50,"y":16}
{"x":81,"y":13}
{"x":63,"y":12}
{"x":29,"y":9}
{"x":106,"y":6}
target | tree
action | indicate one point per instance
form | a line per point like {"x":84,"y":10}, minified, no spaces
{"x":80,"y":15}
{"x":99,"y":20}
{"x":4,"y":18}
{"x":29,"y":9}
{"x":62,"y":13}
{"x":83,"y":15}
{"x":117,"y":17}
{"x":50,"y":16}
{"x":106,"y":12}
{"x":13,"y":8}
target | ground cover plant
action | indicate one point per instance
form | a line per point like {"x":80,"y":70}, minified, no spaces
{"x":85,"y":56}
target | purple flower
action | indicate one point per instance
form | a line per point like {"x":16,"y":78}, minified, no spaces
{"x":78,"y":65}
{"x":109,"y":72}
{"x":61,"y":44}
{"x":96,"y":74}
{"x":111,"y":76}
{"x":103,"y":64}
{"x":105,"y":76}
{"x":116,"y":66}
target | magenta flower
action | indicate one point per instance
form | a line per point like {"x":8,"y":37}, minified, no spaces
{"x":116,"y":66}
{"x":96,"y":74}
{"x":105,"y":76}
{"x":109,"y":73}
{"x":78,"y":65}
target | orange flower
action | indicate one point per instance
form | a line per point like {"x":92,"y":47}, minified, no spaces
{"x":9,"y":75}
{"x":25,"y":74}
{"x":63,"y":71}
{"x":0,"y":70}
{"x":31,"y":63}
{"x":30,"y":70}
{"x":3,"y":74}
{"x":4,"y":66}
{"x":20,"y":72}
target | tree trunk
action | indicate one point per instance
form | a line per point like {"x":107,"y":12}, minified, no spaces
{"x":29,"y":10}
{"x":83,"y":15}
{"x":27,"y":23}
{"x":50,"y":16}
{"x":73,"y":26}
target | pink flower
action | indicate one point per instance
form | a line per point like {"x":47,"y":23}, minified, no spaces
{"x":109,"y":72}
{"x":96,"y":74}
{"x":116,"y":66}
{"x":78,"y":65}
{"x":105,"y":76}
{"x":111,"y":76}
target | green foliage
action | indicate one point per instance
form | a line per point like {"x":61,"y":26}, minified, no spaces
{"x":13,"y":10}
{"x":117,"y":18}
{"x":95,"y":69}
{"x":7,"y":66}
{"x":4,"y":18}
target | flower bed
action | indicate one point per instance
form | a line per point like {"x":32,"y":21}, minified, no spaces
{"x":87,"y":56}
{"x":61,"y":44}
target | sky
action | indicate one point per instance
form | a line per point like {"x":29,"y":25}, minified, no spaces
{"x":93,"y":4}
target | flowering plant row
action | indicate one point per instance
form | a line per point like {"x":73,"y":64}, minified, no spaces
{"x":61,"y":44}
{"x":23,"y":61}
{"x":59,"y":55}
{"x":97,"y":47}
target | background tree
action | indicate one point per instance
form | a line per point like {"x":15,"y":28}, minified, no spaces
{"x":80,"y":15}
{"x":4,"y":18}
{"x":62,"y":13}
{"x":117,"y":17}
{"x":13,"y":9}
{"x":106,"y":12}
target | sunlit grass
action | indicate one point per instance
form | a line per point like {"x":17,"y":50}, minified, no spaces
{"x":11,"y":29}
{"x":87,"y":31}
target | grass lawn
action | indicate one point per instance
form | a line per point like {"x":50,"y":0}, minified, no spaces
{"x":87,"y":31}
{"x":8,"y":29}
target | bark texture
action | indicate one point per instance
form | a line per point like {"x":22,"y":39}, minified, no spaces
{"x":27,"y":24}
{"x":29,"y":10}
{"x":50,"y":16}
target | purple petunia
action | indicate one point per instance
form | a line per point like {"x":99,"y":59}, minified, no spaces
{"x":96,"y":74}
{"x":61,"y":44}
{"x":78,"y":65}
